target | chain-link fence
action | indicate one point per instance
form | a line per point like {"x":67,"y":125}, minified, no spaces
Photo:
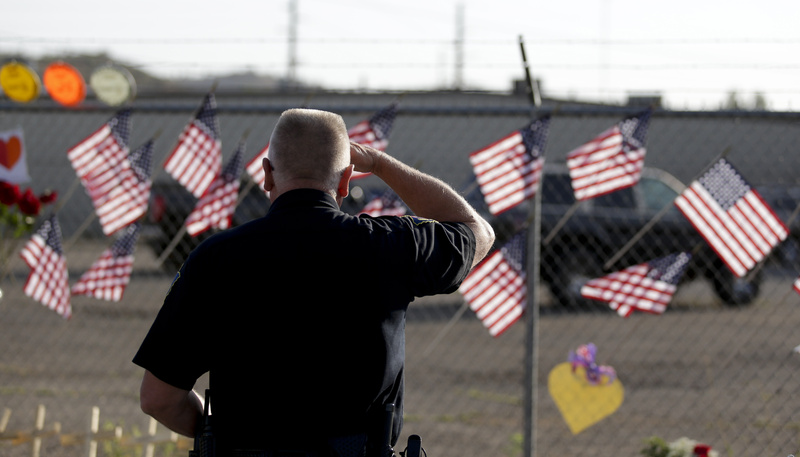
{"x":716,"y":367}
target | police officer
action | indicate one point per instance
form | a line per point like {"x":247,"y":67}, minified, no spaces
{"x":300,"y":315}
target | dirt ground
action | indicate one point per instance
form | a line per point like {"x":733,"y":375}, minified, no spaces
{"x":726,"y":376}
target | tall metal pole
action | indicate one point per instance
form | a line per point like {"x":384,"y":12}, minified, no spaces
{"x":291,"y":74}
{"x":458,"y":81}
{"x":532,"y":307}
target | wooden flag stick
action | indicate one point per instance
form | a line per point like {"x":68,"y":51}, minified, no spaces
{"x":171,"y":246}
{"x":445,"y":329}
{"x":86,"y":222}
{"x":67,"y":195}
{"x":250,"y":182}
{"x":658,"y":216}
{"x":560,"y":224}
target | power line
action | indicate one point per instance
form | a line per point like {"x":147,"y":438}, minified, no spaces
{"x":205,"y":41}
{"x":394,"y":65}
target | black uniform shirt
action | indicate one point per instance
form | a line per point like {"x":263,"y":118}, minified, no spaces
{"x":300,"y":316}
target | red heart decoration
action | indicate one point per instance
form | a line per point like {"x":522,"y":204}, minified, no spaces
{"x":10,"y":152}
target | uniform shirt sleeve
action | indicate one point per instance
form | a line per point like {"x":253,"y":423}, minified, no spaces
{"x":445,"y":251}
{"x":173,"y":349}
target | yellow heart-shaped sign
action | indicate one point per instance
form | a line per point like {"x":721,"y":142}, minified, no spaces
{"x":581,"y":403}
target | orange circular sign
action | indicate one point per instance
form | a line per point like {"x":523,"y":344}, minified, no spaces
{"x":64,"y":84}
{"x":19,"y":82}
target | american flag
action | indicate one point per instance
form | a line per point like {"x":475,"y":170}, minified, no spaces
{"x":386,"y":204}
{"x":119,"y":193}
{"x":108,"y":276}
{"x":732,"y":217}
{"x":613,"y":160}
{"x":197,"y":158}
{"x":215,"y":209}
{"x":495,"y":289}
{"x":508,"y":170}
{"x":647,"y":287}
{"x":48,"y":281}
{"x":374,"y":132}
{"x":796,"y":285}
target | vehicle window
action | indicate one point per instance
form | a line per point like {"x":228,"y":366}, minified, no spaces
{"x":622,"y":198}
{"x":557,"y":190}
{"x":656,"y":194}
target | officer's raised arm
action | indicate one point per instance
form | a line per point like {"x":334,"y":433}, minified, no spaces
{"x":425,"y":195}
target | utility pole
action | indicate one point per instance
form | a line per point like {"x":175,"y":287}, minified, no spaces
{"x":291,"y":74}
{"x":458,"y":80}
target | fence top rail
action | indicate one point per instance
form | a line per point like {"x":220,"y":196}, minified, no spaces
{"x":446,"y":108}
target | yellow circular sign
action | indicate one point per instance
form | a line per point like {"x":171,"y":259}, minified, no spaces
{"x":113,"y":85}
{"x":64,"y":83}
{"x":19,"y":82}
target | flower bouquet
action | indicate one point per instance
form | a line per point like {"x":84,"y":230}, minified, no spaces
{"x":682,"y":447}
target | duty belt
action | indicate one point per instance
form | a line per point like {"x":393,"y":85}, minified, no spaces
{"x":270,"y":453}
{"x":345,"y":446}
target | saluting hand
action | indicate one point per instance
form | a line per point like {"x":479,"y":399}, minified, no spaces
{"x":363,"y":157}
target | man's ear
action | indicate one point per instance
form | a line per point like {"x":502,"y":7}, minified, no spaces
{"x":344,"y":182}
{"x":269,"y":181}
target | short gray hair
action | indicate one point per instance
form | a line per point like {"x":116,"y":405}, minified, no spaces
{"x":310,"y":144}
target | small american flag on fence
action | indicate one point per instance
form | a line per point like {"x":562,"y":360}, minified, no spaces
{"x":108,"y":276}
{"x":48,"y":281}
{"x":645,"y":287}
{"x":508,"y":171}
{"x":495,"y":289}
{"x":611,"y":161}
{"x":386,"y":204}
{"x":374,"y":132}
{"x":196,"y":160}
{"x":215,"y":208}
{"x":254,"y":168}
{"x":732,"y":217}
{"x":119,"y":194}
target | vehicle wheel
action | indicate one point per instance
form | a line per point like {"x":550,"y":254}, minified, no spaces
{"x":733,"y":290}
{"x":570,"y":269}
